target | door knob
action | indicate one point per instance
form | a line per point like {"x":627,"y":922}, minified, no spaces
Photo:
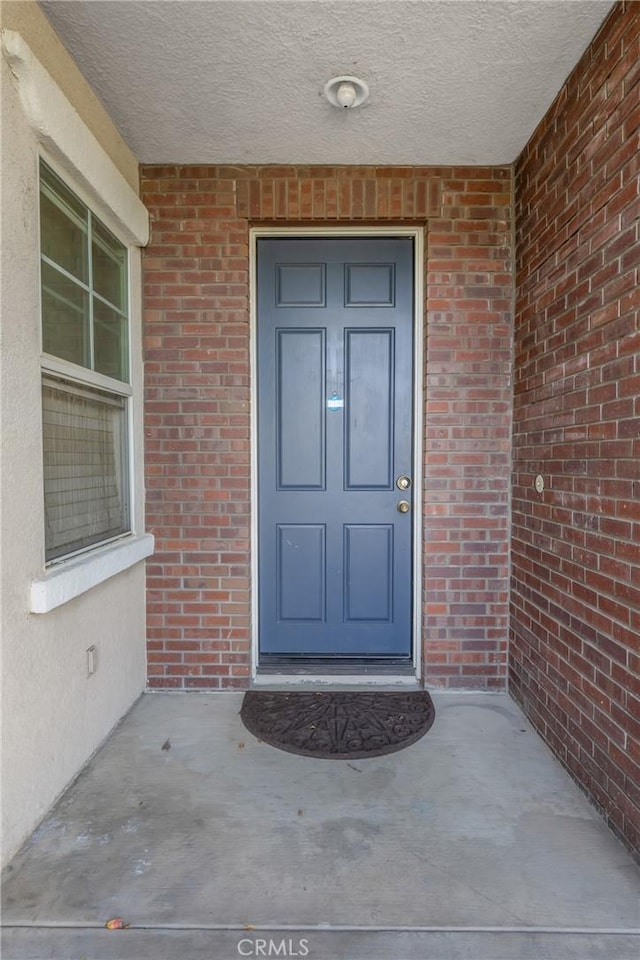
{"x":403,"y":506}
{"x":403,"y":483}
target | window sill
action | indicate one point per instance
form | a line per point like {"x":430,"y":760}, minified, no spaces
{"x":74,"y":577}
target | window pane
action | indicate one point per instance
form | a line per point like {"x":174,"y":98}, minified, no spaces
{"x":84,"y":435}
{"x":109,"y":341}
{"x":65,"y":317}
{"x":109,"y":266}
{"x":63,"y":227}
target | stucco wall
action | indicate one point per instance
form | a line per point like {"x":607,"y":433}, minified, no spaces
{"x":53,"y":715}
{"x":27,"y":19}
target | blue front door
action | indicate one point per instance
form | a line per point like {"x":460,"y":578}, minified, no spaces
{"x":335,"y":423}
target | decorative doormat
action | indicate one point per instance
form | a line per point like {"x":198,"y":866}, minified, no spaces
{"x":338,"y":726}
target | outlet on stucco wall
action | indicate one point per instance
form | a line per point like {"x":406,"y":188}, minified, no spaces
{"x":92,"y":660}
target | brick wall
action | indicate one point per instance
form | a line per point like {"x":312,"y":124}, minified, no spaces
{"x":197,"y":404}
{"x":575,"y":637}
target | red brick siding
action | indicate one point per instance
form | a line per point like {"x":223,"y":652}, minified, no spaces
{"x":575,"y":596}
{"x":197,"y":404}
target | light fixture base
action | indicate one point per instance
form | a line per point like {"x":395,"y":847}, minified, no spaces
{"x":346,"y":92}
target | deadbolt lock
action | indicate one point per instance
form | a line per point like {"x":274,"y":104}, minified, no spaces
{"x":403,"y":506}
{"x":403,"y":483}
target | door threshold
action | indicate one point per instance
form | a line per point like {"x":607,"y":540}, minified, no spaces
{"x":276,"y":681}
{"x":354,"y":673}
{"x":336,"y":666}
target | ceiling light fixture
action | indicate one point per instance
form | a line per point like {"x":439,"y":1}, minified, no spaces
{"x":346,"y":92}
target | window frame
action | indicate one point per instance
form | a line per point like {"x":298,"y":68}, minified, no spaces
{"x":75,"y":374}
{"x":91,"y":228}
{"x":67,"y":144}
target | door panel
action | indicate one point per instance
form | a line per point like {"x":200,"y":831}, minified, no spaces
{"x":369,"y":401}
{"x":300,"y":570}
{"x":300,"y":417}
{"x":300,"y":285}
{"x":368,"y":567}
{"x":369,"y":285}
{"x":335,"y":420}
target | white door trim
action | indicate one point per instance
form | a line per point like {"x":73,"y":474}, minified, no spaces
{"x":417,"y":234}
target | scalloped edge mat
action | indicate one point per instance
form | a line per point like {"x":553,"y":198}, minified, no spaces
{"x":338,"y":725}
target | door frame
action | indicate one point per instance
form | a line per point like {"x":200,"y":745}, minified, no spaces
{"x":417,"y":233}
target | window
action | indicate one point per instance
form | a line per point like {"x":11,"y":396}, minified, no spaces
{"x":85,"y":380}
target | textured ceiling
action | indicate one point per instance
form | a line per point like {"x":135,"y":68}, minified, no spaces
{"x":239,"y":81}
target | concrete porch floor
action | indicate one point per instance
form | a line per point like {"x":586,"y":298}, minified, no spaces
{"x":472,"y":843}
